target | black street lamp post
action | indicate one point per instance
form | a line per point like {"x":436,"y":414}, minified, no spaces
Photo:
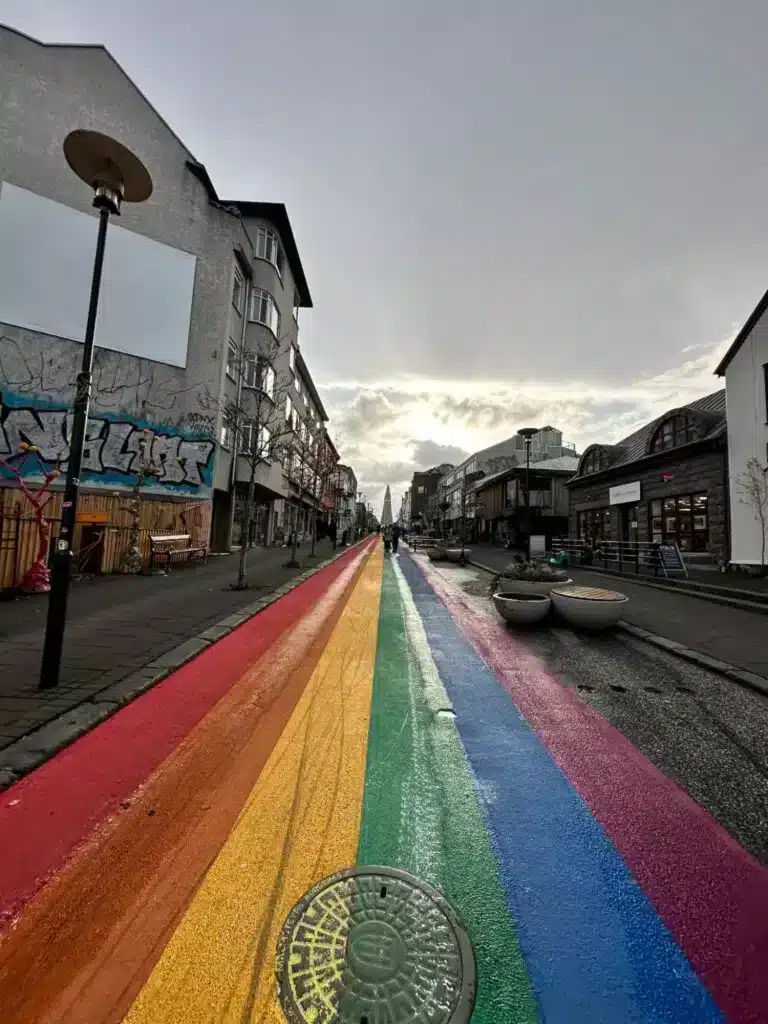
{"x":527,"y":433}
{"x":115,"y":175}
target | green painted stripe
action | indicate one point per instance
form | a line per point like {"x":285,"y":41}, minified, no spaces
{"x":420,"y":808}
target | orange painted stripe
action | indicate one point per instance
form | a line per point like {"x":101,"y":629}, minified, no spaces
{"x":85,"y":947}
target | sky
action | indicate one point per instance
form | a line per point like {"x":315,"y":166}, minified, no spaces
{"x":509,"y":213}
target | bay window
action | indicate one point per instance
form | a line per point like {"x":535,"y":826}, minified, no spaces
{"x":268,"y":248}
{"x":264,"y":310}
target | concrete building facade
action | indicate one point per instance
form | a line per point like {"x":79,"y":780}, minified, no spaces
{"x":227,"y":276}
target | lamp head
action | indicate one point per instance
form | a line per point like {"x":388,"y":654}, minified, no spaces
{"x":114,"y":173}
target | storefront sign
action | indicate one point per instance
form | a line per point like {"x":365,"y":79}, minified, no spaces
{"x":624,"y":493}
{"x":538,"y":544}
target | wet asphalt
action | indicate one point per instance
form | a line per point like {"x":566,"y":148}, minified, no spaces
{"x":703,"y":731}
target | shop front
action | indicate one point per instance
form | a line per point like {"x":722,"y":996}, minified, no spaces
{"x":664,"y":484}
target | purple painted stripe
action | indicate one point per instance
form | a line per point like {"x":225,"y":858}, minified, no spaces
{"x":711,"y":894}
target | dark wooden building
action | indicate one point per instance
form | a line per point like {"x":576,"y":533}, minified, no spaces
{"x":666,"y":482}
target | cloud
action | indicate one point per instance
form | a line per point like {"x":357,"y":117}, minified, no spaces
{"x":395,"y":426}
{"x":427,"y":454}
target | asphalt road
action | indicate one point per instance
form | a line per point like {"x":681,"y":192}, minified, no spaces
{"x":700,"y":729}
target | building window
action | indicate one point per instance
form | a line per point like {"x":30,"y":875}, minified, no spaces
{"x":264,"y":310}
{"x":268,"y":380}
{"x":288,"y":409}
{"x":673,"y":432}
{"x":238,"y":290}
{"x":292,"y":358}
{"x":268,"y":248}
{"x":594,"y":461}
{"x":232,"y":360}
{"x":297,"y":382}
{"x":594,"y":525}
{"x":296,"y":306}
{"x":683,"y":520}
{"x":765,"y":388}
{"x":420,"y":490}
{"x":226,"y":435}
{"x":255,"y":440}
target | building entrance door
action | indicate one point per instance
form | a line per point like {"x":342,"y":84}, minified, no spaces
{"x":629,"y":523}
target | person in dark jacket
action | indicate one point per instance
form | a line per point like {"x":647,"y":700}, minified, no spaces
{"x":332,"y":533}
{"x":395,"y":537}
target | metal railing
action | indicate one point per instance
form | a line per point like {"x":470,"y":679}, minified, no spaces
{"x":641,"y":557}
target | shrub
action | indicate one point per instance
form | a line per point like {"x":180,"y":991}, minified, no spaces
{"x":530,"y":572}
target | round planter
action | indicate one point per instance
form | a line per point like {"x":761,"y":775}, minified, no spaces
{"x":507,"y":585}
{"x":522,"y":609}
{"x":588,"y":607}
{"x":454,"y":554}
{"x":436,"y":554}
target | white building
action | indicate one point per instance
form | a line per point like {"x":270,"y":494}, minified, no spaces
{"x":745,"y":368}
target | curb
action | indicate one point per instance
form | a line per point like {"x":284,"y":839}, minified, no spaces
{"x":760,"y":608}
{"x":31,"y":751}
{"x":739,"y":675}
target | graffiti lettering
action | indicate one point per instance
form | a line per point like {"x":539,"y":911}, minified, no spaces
{"x":202,"y":424}
{"x":111,"y":448}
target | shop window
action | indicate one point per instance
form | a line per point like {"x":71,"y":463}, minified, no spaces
{"x":683,"y":520}
{"x":594,"y":525}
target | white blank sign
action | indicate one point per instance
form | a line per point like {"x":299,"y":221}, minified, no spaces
{"x":46,"y":265}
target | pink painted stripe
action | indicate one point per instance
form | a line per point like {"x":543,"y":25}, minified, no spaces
{"x":710,"y":893}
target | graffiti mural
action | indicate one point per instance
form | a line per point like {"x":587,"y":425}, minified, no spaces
{"x":113,"y":450}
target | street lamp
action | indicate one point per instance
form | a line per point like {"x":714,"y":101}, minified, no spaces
{"x":116,"y":176}
{"x":527,"y":433}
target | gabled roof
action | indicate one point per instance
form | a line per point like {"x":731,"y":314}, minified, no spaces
{"x":275,"y":213}
{"x":560,"y":464}
{"x":635,"y":446}
{"x":742,"y":336}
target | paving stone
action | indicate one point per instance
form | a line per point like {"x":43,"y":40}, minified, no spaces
{"x":132,"y":686}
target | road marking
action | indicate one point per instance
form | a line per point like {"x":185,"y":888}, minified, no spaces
{"x":300,"y":824}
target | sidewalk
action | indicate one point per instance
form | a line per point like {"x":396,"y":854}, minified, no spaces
{"x":726,"y":634}
{"x":118,"y":624}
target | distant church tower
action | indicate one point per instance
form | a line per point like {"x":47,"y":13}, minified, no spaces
{"x":386,"y":515}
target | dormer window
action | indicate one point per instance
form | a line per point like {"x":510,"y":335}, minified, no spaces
{"x":594,"y":461}
{"x":673,"y":432}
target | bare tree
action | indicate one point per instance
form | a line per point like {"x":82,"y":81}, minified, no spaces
{"x":754,"y":489}
{"x":38,"y":577}
{"x":132,"y":562}
{"x":320,"y":460}
{"x":258,"y":422}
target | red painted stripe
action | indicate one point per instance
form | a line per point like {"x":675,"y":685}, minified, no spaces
{"x":711,"y":894}
{"x":44,"y":816}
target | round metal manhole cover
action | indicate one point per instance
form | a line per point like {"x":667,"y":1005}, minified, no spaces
{"x":375,"y":945}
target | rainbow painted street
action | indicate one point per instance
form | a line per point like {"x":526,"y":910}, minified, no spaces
{"x":376,"y":715}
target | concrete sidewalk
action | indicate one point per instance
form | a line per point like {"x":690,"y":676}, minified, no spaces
{"x":730,"y":635}
{"x":118,"y":624}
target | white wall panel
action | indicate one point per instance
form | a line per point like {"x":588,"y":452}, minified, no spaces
{"x":46,"y":263}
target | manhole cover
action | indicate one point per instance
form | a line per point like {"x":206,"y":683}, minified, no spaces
{"x":374,"y":945}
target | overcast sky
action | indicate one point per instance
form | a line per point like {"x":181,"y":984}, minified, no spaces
{"x":508,"y":212}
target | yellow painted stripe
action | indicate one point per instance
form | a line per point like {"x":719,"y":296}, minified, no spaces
{"x":300,"y":824}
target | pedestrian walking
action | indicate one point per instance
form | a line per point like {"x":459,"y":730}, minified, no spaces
{"x":387,"y":539}
{"x":395,"y":538}
{"x":332,"y":533}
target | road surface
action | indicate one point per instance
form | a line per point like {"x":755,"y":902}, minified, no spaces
{"x":379,"y":715}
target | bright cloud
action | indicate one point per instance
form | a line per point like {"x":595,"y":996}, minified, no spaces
{"x":392,"y":427}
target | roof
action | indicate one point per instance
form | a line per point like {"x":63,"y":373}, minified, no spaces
{"x":275,"y":213}
{"x":635,"y":447}
{"x":743,"y":334}
{"x":307,"y":378}
{"x":561,"y":464}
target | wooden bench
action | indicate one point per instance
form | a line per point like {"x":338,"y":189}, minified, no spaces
{"x":164,"y":549}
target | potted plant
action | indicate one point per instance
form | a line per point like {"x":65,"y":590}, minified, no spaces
{"x":530,"y":578}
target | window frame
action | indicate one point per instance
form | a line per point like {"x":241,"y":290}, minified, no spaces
{"x":238,"y":288}
{"x":765,"y":390}
{"x":272,"y":307}
{"x":226,"y":437}
{"x":269,"y":235}
{"x":232,"y":351}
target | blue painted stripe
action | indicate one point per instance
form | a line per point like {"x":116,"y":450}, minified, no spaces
{"x":596,"y":951}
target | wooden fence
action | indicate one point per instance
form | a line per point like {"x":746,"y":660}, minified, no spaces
{"x":99,"y":544}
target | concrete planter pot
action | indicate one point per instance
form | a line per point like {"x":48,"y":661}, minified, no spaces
{"x":522,"y":609}
{"x":454,"y":554}
{"x":588,"y":607}
{"x":436,"y":554}
{"x":508,"y":585}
